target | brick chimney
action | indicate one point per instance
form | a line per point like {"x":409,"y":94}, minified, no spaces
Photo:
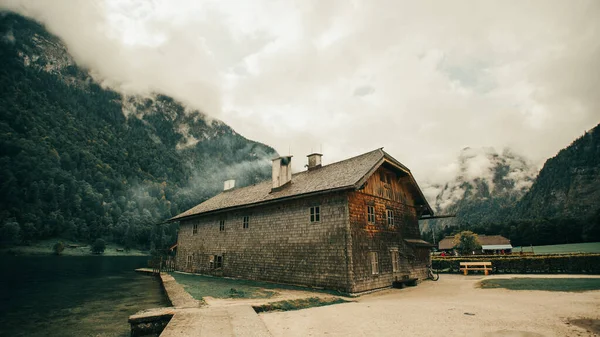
{"x":228,"y":185}
{"x":314,"y":161}
{"x":282,"y":171}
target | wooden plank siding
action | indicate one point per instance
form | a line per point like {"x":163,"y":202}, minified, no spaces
{"x":384,"y":190}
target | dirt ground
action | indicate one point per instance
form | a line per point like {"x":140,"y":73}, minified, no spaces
{"x":453,"y":306}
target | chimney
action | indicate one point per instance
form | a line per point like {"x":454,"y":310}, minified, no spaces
{"x":229,"y":184}
{"x":282,"y":171}
{"x":314,"y":161}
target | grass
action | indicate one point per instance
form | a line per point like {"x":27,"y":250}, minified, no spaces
{"x":44,"y":247}
{"x":546,"y":284}
{"x":200,"y":286}
{"x":589,"y":247}
{"x":298,"y":304}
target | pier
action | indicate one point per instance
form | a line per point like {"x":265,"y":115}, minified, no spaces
{"x":190,"y":317}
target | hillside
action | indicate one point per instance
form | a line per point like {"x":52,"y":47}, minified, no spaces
{"x":80,"y":161}
{"x":486,"y":188}
{"x":569,"y":183}
{"x":562,"y":205}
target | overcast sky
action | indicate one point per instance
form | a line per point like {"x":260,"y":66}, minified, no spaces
{"x":421,"y":79}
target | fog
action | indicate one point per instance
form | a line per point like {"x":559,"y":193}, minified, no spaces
{"x":423,"y":80}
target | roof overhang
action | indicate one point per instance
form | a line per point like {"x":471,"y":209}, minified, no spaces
{"x":495,"y":247}
{"x":424,"y":208}
{"x":268,"y":202}
{"x":418,"y":242}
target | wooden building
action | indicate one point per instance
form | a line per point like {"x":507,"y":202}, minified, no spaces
{"x":350,"y":226}
{"x":490,"y":244}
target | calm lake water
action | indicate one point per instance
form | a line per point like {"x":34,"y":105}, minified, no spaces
{"x":73,"y":296}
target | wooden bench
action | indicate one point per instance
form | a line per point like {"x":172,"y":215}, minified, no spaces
{"x":485,"y":266}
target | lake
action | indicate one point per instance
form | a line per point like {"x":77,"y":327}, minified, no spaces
{"x":74,"y":295}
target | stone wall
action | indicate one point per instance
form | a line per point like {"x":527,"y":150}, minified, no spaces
{"x":382,"y":239}
{"x":279,"y":245}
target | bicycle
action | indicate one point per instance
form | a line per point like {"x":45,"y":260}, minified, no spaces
{"x":431,"y":274}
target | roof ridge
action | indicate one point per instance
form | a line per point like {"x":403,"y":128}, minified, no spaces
{"x":343,"y":174}
{"x":343,"y":161}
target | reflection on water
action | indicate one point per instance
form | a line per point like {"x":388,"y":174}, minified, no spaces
{"x":73,"y":296}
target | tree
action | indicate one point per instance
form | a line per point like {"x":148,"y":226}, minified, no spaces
{"x":99,"y":246}
{"x":58,"y":248}
{"x":10,"y":232}
{"x":466,"y":242}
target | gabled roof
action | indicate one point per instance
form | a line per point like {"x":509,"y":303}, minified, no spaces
{"x":343,"y":175}
{"x":484,"y":240}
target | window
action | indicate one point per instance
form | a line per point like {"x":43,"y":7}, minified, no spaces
{"x":390,"y":218}
{"x":395,"y":259}
{"x":195,"y":230}
{"x":371,"y":214}
{"x":374,"y":263}
{"x":246,"y":222}
{"x":189,"y":261}
{"x":389,"y":193}
{"x":385,"y":178}
{"x":216,"y":261}
{"x":222,"y":225}
{"x":315,"y":214}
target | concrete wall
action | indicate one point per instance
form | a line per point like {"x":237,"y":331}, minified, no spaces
{"x":280,"y":245}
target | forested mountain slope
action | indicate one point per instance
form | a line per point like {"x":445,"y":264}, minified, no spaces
{"x":569,"y":183}
{"x":486,"y":188}
{"x":82,"y":162}
{"x":562,"y":205}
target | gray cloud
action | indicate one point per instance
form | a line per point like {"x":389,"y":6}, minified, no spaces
{"x":303,"y":74}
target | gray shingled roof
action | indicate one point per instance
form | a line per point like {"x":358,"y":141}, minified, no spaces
{"x":345,"y":174}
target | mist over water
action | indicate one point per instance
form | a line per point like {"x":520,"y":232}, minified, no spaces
{"x":73,"y":296}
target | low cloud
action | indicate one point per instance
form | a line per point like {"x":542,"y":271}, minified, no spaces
{"x":422,"y":79}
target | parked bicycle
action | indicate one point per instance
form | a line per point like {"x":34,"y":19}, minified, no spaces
{"x":432,"y":274}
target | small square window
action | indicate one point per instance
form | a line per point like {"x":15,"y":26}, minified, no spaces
{"x":195,"y":229}
{"x":371,"y":214}
{"x":246,"y":222}
{"x":390,"y":218}
{"x":374,"y":258}
{"x":315,"y":214}
{"x":222,"y":225}
{"x":215,"y":261}
{"x":218,"y":261}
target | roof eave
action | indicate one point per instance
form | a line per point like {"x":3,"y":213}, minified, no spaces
{"x":261,"y":203}
{"x":386,"y":157}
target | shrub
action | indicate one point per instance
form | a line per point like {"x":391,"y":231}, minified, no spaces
{"x":297,"y":304}
{"x":58,"y":248}
{"x":532,"y":264}
{"x":99,"y":246}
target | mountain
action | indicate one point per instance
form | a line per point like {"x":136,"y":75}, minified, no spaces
{"x":486,"y":187}
{"x":81,"y":161}
{"x":568,"y":186}
{"x":560,"y":205}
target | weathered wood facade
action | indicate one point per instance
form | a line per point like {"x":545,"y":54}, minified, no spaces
{"x":353,"y":239}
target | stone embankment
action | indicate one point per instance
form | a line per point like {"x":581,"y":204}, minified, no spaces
{"x":190,"y":317}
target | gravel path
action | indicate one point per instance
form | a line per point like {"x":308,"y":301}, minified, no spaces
{"x":453,"y":306}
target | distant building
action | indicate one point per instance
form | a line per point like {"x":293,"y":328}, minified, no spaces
{"x":490,"y":244}
{"x":350,"y":226}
